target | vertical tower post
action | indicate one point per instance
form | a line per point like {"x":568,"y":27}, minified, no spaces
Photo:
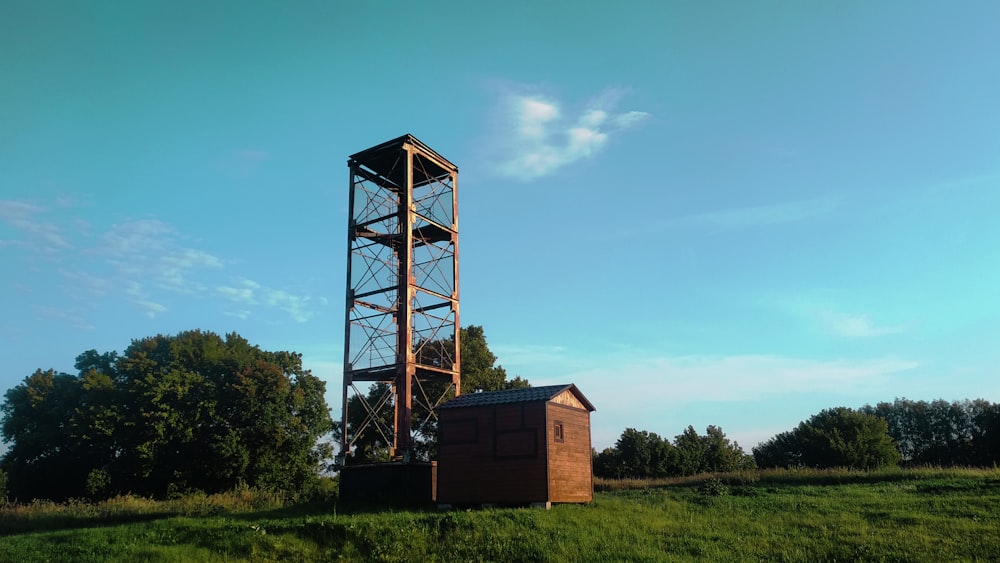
{"x":401,"y":324}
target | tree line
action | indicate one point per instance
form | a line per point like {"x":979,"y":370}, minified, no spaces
{"x":641,"y":454}
{"x":192,"y":411}
{"x":196,"y":411}
{"x":941,"y":433}
{"x":906,"y":432}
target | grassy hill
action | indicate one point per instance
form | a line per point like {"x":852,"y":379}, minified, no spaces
{"x":896,"y":515}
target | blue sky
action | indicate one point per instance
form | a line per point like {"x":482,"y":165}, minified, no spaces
{"x":725,"y":213}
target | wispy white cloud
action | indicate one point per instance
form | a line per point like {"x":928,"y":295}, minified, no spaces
{"x":94,"y":285}
{"x":138,"y":237}
{"x":519,"y":356}
{"x":643,"y":391}
{"x":250,"y":293}
{"x":855,"y":325}
{"x":735,"y":218}
{"x":829,"y":315}
{"x":242,"y":293}
{"x":670,"y":380}
{"x":174,"y":268}
{"x":146,"y":262}
{"x":147,"y":254}
{"x":73,"y":317}
{"x":36,"y":233}
{"x":762,"y":215}
{"x":152,"y":308}
{"x":539,"y":137}
{"x":295,"y":305}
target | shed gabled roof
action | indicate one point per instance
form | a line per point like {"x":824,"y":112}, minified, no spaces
{"x":507,"y":396}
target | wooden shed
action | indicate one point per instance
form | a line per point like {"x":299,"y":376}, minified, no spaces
{"x":518,"y":446}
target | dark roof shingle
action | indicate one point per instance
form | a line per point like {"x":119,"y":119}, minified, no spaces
{"x":507,"y":396}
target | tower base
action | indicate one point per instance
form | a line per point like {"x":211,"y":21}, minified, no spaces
{"x":410,"y":483}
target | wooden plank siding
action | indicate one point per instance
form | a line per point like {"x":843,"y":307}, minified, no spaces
{"x":496,"y":449}
{"x":504,"y":466}
{"x":570,"y":471}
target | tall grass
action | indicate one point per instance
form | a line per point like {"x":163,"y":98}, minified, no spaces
{"x":47,"y":515}
{"x":804,"y":475}
{"x":930,"y":514}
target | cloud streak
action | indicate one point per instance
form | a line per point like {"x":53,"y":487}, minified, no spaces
{"x":36,"y":234}
{"x":145,"y":262}
{"x":247,"y":293}
{"x":540,"y":138}
{"x":641,"y":392}
{"x":855,"y":326}
{"x":676,"y":380}
{"x":764,"y":215}
{"x":149,"y":252}
{"x":825,"y":314}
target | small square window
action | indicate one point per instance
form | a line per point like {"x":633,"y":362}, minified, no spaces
{"x":557,"y":431}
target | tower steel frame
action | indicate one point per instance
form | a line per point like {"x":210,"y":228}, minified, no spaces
{"x":402,"y":309}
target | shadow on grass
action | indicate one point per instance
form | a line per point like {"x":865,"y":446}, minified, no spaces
{"x":15,"y":526}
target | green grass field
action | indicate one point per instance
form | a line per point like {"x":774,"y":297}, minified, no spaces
{"x":896,"y":515}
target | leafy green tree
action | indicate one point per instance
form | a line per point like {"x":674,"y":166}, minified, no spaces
{"x":517,"y":383}
{"x":43,"y":456}
{"x":607,"y":463}
{"x":478,"y":370}
{"x":209,"y":413}
{"x":986,"y":438}
{"x":643,"y":454}
{"x":372,"y":440}
{"x":721,"y":455}
{"x":691,"y":451}
{"x":780,"y":451}
{"x":938,"y":432}
{"x":191,"y":411}
{"x":837,"y":437}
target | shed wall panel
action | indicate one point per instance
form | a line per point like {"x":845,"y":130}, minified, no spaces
{"x":483,"y":472}
{"x":570,"y":471}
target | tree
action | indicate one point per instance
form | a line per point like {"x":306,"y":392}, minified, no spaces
{"x":938,"y":432}
{"x":191,"y":411}
{"x":837,"y":437}
{"x":780,"y":451}
{"x":478,"y":370}
{"x":721,"y":455}
{"x":608,"y":463}
{"x":37,"y":418}
{"x":371,"y":441}
{"x":986,"y":438}
{"x":691,"y":450}
{"x":643,"y":454}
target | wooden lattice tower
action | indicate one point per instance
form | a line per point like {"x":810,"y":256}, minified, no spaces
{"x":402,"y":318}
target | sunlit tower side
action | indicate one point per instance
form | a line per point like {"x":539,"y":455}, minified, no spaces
{"x":402,"y":317}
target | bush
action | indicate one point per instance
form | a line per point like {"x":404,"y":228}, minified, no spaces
{"x":645,"y":455}
{"x":714,"y":487}
{"x":98,"y":483}
{"x":838,"y":437}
